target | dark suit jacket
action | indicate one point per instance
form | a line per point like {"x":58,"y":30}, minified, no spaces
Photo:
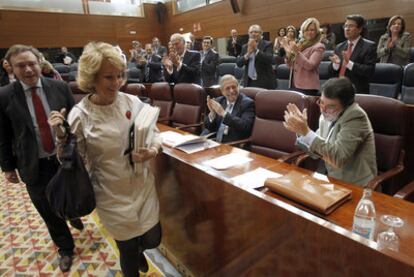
{"x":234,"y":50}
{"x":161,"y":51}
{"x":154,"y":67}
{"x":364,"y":58}
{"x":209,"y":68}
{"x":240,"y":121}
{"x":189,"y":72}
{"x":18,"y":144}
{"x":264,"y":58}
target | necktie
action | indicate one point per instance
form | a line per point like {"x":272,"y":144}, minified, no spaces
{"x":223,"y":127}
{"x":251,"y":70}
{"x":41,"y":118}
{"x":343,"y":67}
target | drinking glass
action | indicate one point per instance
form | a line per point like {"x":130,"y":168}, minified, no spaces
{"x":389,"y":239}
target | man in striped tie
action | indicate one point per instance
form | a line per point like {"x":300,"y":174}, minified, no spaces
{"x":27,"y":143}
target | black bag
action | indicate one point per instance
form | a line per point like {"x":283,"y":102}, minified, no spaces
{"x":70,"y":192}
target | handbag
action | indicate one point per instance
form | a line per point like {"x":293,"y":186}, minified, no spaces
{"x":70,"y":192}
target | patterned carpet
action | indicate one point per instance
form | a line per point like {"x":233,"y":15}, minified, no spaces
{"x":26,"y":248}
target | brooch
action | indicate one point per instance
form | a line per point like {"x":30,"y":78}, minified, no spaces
{"x":128,"y":114}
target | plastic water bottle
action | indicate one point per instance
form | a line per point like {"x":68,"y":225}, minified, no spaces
{"x":364,"y":217}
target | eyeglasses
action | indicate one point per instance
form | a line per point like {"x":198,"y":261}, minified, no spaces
{"x":349,"y":26}
{"x":330,"y":107}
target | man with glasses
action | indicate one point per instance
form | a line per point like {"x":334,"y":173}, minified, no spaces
{"x":257,"y":58}
{"x":27,"y":143}
{"x":355,"y":58}
{"x":345,"y":138}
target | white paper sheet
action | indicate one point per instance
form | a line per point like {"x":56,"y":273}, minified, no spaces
{"x":227,"y":161}
{"x":255,"y":178}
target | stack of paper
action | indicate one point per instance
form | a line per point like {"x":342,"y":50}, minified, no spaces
{"x":145,"y":123}
{"x":188,"y":143}
{"x":255,"y":178}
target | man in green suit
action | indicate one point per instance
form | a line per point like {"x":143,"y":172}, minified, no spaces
{"x":345,"y":138}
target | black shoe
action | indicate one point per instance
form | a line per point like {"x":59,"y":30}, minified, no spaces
{"x":65,"y":262}
{"x":76,"y":223}
{"x":143,"y":264}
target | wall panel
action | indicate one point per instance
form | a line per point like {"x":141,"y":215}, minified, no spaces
{"x":218,"y":19}
{"x":72,"y":30}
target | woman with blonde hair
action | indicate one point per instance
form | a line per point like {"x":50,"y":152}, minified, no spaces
{"x":126,"y":201}
{"x":304,"y":58}
{"x":394,"y":46}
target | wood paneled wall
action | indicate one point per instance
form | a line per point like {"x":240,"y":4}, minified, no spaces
{"x":54,"y":30}
{"x":74,"y":30}
{"x":218,"y":19}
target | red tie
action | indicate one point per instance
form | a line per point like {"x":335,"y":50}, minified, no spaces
{"x":343,"y":67}
{"x":41,"y":118}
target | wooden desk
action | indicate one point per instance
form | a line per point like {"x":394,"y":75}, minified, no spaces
{"x":213,"y":227}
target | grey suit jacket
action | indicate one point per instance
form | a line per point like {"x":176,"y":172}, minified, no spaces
{"x":400,"y":52}
{"x":18,"y":145}
{"x":350,"y":147}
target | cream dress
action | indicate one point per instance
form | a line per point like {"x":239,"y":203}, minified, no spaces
{"x":127,"y":203}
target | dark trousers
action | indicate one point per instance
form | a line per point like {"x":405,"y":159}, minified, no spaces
{"x":58,"y":229}
{"x":130,"y":250}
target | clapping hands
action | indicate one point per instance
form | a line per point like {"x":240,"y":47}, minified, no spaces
{"x":295,"y":120}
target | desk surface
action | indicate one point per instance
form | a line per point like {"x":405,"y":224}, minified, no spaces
{"x":254,"y":232}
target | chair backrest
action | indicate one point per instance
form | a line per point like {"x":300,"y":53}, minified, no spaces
{"x":387,"y":117}
{"x":269,"y":137}
{"x":386,"y":80}
{"x":135,"y":89}
{"x":225,"y":68}
{"x":161,"y":96}
{"x":227,"y":59}
{"x":190,"y":101}
{"x":327,"y":54}
{"x":135,"y":75}
{"x":412,"y":55}
{"x":251,"y":91}
{"x":282,"y":76}
{"x":77,"y":93}
{"x":407,"y":91}
{"x":61,"y":68}
{"x":324,"y":72}
{"x":74,"y":67}
{"x":72,"y":76}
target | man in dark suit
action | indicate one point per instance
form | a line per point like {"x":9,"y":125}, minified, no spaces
{"x":257,"y":57}
{"x":355,"y":58}
{"x":157,"y":48}
{"x":65,"y":56}
{"x":153,"y":67}
{"x":209,"y":62}
{"x":234,"y":46}
{"x":231,"y":115}
{"x":181,"y":65}
{"x":27,"y":141}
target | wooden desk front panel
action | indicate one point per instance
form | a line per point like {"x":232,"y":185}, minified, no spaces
{"x":216,"y":228}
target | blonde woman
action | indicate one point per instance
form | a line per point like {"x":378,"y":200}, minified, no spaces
{"x":304,"y":58}
{"x":126,"y":202}
{"x":394,"y":46}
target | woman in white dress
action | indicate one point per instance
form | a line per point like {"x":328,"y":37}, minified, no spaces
{"x":126,"y":202}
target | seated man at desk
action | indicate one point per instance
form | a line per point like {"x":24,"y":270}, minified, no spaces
{"x":345,"y":138}
{"x":231,"y":115}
